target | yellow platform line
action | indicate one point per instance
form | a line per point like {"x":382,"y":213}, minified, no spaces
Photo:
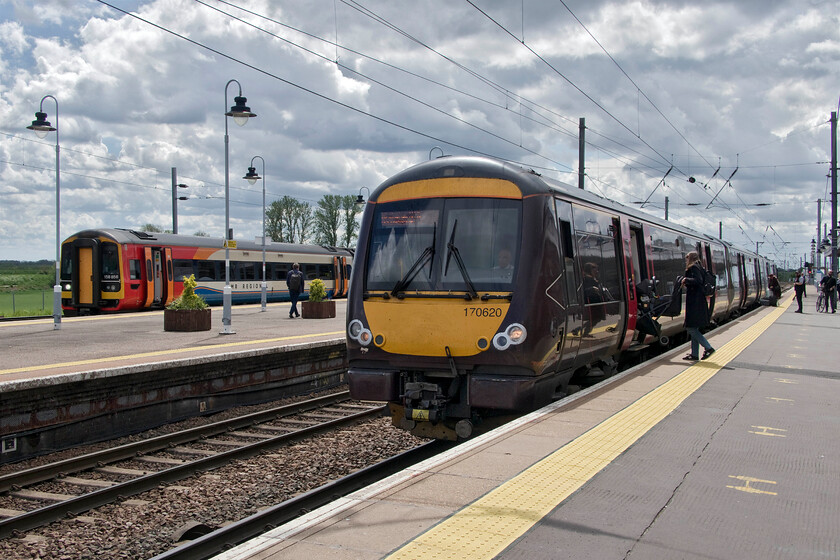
{"x":486,"y":527}
{"x":165,"y":352}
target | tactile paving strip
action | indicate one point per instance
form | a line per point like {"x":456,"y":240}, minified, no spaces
{"x":486,"y":527}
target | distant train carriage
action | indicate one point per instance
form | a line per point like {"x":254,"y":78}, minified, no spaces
{"x":482,"y":288}
{"x":111,"y":270}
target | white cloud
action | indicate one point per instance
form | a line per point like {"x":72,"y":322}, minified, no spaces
{"x":746,"y":83}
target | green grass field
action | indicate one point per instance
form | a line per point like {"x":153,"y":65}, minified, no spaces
{"x":26,"y":288}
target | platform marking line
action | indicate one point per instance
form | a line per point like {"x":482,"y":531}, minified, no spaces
{"x":767,"y":431}
{"x":165,"y":352}
{"x":490,"y":524}
{"x":749,"y":489}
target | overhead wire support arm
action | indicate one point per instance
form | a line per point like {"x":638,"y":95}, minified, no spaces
{"x":721,"y":189}
{"x":661,"y":181}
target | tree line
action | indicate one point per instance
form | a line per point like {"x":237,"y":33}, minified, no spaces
{"x":288,"y":220}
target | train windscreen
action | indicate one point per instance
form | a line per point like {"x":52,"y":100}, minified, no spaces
{"x":459,"y":244}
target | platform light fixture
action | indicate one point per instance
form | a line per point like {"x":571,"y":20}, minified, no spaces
{"x":240,"y":113}
{"x":360,"y":200}
{"x":252,"y":177}
{"x":42,"y":127}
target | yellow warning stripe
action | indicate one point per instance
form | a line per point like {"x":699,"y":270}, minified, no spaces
{"x":203,"y":349}
{"x":486,"y":527}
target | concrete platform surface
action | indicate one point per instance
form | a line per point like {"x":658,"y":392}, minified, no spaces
{"x":33,"y":348}
{"x":735,"y":457}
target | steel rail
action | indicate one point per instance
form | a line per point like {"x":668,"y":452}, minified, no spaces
{"x":228,"y":536}
{"x":123,"y":452}
{"x":80,"y":504}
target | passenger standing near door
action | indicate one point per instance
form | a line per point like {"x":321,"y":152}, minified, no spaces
{"x":696,"y":307}
{"x":294,"y":281}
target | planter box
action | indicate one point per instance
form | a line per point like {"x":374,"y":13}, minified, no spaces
{"x":318,"y":310}
{"x":186,"y":320}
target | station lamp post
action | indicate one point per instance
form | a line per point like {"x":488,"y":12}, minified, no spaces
{"x":240,"y":113}
{"x":252,"y":178}
{"x":41,"y":127}
{"x":360,"y":200}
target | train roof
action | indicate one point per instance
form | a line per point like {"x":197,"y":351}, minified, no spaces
{"x":531,"y":183}
{"x":123,"y":236}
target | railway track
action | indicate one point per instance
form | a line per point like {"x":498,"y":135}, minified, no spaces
{"x":38,"y":496}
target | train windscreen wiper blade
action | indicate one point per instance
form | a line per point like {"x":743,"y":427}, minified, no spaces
{"x":453,"y":250}
{"x":426,"y":256}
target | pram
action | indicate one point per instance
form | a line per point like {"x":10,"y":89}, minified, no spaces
{"x":651,"y":307}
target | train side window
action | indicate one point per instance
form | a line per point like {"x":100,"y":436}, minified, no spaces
{"x":325,"y":272}
{"x":206,"y":271}
{"x":281,"y":271}
{"x":182,"y":269}
{"x":134,"y":269}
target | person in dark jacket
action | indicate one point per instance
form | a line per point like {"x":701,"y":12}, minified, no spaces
{"x":696,"y":307}
{"x":775,"y":289}
{"x":799,"y":289}
{"x":294,"y":281}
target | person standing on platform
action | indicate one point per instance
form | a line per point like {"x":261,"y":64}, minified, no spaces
{"x":294,"y":281}
{"x":775,"y":290}
{"x":799,"y":289}
{"x":829,"y":288}
{"x":696,"y":307}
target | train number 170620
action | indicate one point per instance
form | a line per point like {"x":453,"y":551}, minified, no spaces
{"x":482,"y":312}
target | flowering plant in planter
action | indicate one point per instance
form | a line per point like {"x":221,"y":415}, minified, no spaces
{"x":188,"y":298}
{"x":318,"y":306}
{"x":189,"y":312}
{"x":317,"y":291}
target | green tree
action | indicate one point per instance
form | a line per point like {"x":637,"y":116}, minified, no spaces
{"x":351,"y":227}
{"x":288,"y":220}
{"x":151,"y":228}
{"x":328,"y":220}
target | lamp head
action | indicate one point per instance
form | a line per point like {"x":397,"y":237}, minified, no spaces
{"x":252,"y":176}
{"x":41,"y":125}
{"x":240,"y":112}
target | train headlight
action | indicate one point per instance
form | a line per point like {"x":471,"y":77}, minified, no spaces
{"x":357,"y":331}
{"x":513,"y":335}
{"x":516,"y":333}
{"x":67,"y":287}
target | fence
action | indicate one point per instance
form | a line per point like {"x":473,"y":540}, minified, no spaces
{"x":38,"y":302}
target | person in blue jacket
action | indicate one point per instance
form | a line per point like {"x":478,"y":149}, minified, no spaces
{"x":696,"y":307}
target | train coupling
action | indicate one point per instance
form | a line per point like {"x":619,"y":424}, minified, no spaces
{"x":424,"y":402}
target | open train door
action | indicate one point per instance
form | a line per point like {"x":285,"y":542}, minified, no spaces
{"x":339,"y":268}
{"x":632,"y":263}
{"x":708,"y":264}
{"x":154,"y":276}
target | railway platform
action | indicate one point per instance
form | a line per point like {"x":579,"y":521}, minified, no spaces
{"x":734,"y":457}
{"x":104,"y":376}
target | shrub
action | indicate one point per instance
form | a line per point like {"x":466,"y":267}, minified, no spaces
{"x":188,"y":298}
{"x":317,"y":291}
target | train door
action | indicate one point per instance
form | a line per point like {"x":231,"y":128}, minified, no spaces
{"x":170,"y":278}
{"x":84,"y":269}
{"x":339,"y":264}
{"x":154,"y":276}
{"x":570,"y":281}
{"x":632,"y":267}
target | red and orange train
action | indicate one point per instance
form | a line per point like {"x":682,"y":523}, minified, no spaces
{"x":112,"y":270}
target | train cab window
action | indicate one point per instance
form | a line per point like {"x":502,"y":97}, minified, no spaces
{"x":438,"y":244}
{"x":66,"y":262}
{"x":109,"y":261}
{"x":183,"y":268}
{"x":134,"y":269}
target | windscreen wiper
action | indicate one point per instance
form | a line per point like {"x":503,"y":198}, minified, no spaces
{"x":426,"y":256}
{"x":453,"y":250}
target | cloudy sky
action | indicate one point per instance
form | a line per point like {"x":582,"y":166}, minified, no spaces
{"x":349,"y":92}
